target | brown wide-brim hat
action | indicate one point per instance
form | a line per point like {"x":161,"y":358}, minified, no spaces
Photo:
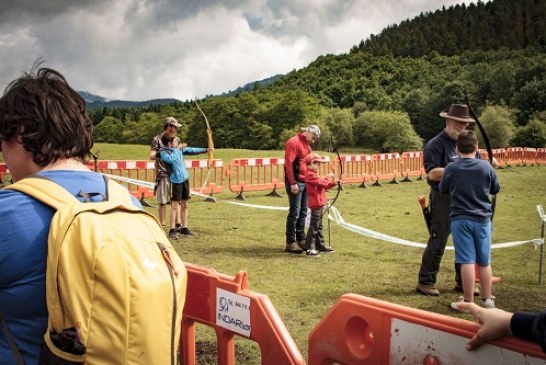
{"x":457,"y":112}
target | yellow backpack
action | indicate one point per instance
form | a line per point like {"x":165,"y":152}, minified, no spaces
{"x":115,"y":287}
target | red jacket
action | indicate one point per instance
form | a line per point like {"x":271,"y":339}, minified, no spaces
{"x":295,"y":150}
{"x":316,"y":189}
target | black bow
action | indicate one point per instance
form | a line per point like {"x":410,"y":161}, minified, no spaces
{"x":339,"y":185}
{"x":487,"y":147}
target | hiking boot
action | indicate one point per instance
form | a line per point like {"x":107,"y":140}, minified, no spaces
{"x":293,"y":248}
{"x":312,"y":253}
{"x":301,"y":244}
{"x":186,"y":232}
{"x":459,"y":288}
{"x":172,"y":234}
{"x":427,"y":290}
{"x":488,"y":303}
{"x":325,"y":249}
{"x":454,"y":305}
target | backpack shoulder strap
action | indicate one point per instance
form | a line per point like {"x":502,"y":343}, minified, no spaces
{"x":54,"y":195}
{"x":44,"y":190}
{"x":118,"y":194}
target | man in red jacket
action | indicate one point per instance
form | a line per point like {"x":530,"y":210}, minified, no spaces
{"x":295,"y":151}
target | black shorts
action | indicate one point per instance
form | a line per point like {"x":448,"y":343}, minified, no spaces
{"x":180,"y":191}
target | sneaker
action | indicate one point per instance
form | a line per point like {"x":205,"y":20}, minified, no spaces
{"x":454,"y":305}
{"x":186,"y":232}
{"x":172,"y":234}
{"x":312,"y":253}
{"x":293,"y":248}
{"x":459,"y":288}
{"x":427,"y":290}
{"x":326,"y":249}
{"x":489,"y":303}
{"x":301,"y":244}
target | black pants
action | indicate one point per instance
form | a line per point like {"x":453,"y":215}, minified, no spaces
{"x":314,"y":239}
{"x":440,"y":230}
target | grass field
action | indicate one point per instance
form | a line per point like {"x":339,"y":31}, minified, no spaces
{"x":232,"y":238}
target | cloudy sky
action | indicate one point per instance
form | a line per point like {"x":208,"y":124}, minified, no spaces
{"x":145,"y":49}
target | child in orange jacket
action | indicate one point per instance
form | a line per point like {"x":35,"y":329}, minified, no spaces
{"x":316,"y":191}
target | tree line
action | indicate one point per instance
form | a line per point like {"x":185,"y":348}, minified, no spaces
{"x":511,"y":24}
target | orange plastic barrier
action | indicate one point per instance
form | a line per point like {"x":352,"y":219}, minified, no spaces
{"x":411,"y":164}
{"x":484,"y":154}
{"x":529,"y":156}
{"x":255,"y":174}
{"x":363,"y":331}
{"x":356,"y":169}
{"x":228,"y":306}
{"x":137,"y":169}
{"x":206,"y":180}
{"x":386,"y":166}
{"x":541,"y":156}
{"x":514,"y":156}
{"x":145,"y":171}
{"x":500,"y":155}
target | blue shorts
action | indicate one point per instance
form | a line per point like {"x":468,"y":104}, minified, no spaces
{"x":472,"y":241}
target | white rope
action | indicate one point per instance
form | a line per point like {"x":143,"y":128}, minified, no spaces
{"x":146,"y":184}
{"x":335,"y":215}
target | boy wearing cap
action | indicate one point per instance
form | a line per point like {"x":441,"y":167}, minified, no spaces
{"x":295,"y":151}
{"x":469,"y":181}
{"x":162,"y":185}
{"x":316,"y":190}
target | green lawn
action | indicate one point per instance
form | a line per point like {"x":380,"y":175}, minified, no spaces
{"x":233,"y":238}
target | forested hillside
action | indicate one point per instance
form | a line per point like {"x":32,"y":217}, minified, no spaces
{"x":511,"y":24}
{"x":384,"y":102}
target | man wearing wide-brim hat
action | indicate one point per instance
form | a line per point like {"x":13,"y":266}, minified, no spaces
{"x":439,"y":152}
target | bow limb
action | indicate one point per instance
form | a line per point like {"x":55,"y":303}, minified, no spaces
{"x":210,"y":141}
{"x":487,"y":147}
{"x":339,"y":185}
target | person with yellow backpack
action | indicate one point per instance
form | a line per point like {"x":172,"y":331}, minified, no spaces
{"x":88,"y":276}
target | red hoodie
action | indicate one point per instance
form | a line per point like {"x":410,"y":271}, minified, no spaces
{"x":316,"y":189}
{"x":295,"y":150}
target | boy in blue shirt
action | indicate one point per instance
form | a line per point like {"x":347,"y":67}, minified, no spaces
{"x":469,"y":181}
{"x":179,"y":178}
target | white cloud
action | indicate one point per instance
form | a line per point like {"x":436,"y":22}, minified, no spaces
{"x":138,"y":49}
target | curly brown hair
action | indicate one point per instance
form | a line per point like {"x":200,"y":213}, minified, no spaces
{"x":47,"y":116}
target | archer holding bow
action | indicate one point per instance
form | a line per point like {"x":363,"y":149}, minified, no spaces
{"x":439,"y":152}
{"x":316,"y":190}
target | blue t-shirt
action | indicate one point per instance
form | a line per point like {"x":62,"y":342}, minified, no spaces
{"x":469,"y":182}
{"x":23,"y":251}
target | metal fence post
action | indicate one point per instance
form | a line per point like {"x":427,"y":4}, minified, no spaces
{"x":541,"y":259}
